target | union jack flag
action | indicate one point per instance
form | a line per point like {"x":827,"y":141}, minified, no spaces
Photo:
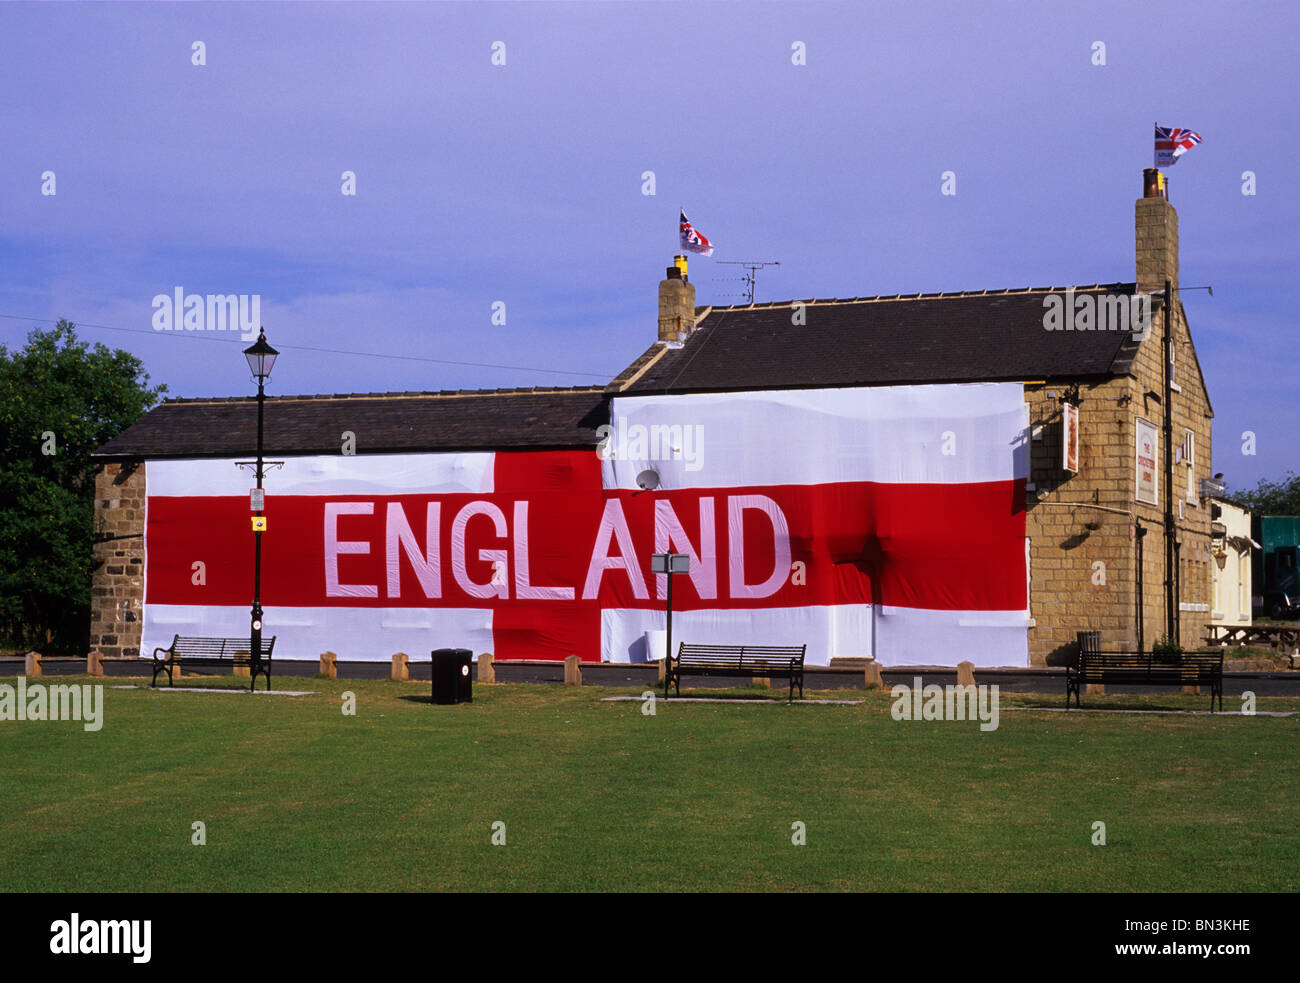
{"x":1172,"y":142}
{"x":693,"y":240}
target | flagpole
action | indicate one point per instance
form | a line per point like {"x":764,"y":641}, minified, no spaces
{"x":1155,"y":154}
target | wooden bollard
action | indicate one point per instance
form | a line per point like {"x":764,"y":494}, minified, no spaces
{"x":244,"y":670}
{"x":329,"y":665}
{"x":763,"y":681}
{"x":663,"y":668}
{"x":32,"y":664}
{"x":873,"y":677}
{"x":965,"y":674}
{"x":94,"y":663}
{"x":487,"y":672}
{"x":401,"y":671}
{"x":572,"y":671}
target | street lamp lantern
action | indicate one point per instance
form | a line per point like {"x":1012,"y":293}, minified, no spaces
{"x":261,"y":357}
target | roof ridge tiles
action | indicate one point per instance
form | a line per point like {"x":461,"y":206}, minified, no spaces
{"x":919,"y":295}
{"x":429,"y":394}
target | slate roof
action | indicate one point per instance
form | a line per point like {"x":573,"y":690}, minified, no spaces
{"x":490,"y":419}
{"x":984,"y":336}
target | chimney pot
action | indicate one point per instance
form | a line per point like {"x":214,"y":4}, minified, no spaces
{"x":1154,"y":184}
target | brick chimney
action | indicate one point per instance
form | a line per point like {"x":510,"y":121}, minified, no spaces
{"x":1157,"y":234}
{"x":676,"y":303}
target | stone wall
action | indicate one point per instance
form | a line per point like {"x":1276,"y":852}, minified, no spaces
{"x":1191,"y":412}
{"x":117,"y":596}
{"x":1081,"y":560}
{"x":1081,"y":526}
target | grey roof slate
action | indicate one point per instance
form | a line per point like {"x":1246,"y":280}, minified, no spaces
{"x":922,"y":338}
{"x":501,"y":419}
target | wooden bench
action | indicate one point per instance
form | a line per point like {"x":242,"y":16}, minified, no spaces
{"x":1146,"y":669}
{"x":781,"y":661}
{"x":1280,"y":638}
{"x":191,"y":650}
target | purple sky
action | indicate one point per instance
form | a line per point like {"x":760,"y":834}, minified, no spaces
{"x":522,"y":183}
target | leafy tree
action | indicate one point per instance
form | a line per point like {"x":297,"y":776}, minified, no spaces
{"x":59,"y":400}
{"x":1271,"y":497}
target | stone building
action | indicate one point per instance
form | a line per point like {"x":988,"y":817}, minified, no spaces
{"x":382,"y":424}
{"x":1117,"y":525}
{"x":1083,"y":527}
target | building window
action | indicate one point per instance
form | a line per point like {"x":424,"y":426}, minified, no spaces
{"x":1189,"y":458}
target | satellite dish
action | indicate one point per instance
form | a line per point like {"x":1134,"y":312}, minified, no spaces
{"x":648,"y":480}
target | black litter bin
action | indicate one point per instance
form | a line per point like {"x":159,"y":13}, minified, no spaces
{"x":453,"y":676}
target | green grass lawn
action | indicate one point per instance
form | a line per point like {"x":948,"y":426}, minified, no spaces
{"x":598,"y":796}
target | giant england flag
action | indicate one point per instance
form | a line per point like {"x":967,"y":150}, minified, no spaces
{"x":861,"y":521}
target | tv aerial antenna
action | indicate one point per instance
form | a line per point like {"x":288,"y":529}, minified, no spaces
{"x":749,"y":277}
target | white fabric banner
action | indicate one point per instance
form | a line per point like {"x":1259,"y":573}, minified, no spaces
{"x":360,"y":634}
{"x":924,"y":434}
{"x":335,"y":474}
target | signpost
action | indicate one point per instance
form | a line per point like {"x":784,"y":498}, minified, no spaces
{"x":670,"y":563}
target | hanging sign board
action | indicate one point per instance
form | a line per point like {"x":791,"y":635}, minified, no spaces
{"x":1148,"y":485}
{"x":1070,"y":441}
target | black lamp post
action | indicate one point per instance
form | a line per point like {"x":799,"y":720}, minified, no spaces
{"x":261,"y":357}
